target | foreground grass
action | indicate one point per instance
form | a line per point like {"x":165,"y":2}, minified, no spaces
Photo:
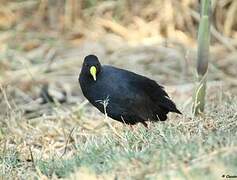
{"x":181,"y":148}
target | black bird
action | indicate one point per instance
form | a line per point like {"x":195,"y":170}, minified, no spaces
{"x":123,"y":95}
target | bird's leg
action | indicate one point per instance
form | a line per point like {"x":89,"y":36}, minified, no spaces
{"x":131,"y":127}
{"x":145,"y":124}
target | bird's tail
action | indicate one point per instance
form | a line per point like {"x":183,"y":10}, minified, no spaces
{"x":167,"y":104}
{"x":162,"y":108}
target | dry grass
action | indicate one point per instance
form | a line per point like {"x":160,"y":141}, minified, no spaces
{"x":57,"y":145}
{"x":42,"y":43}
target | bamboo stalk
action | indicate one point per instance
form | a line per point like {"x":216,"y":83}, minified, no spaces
{"x":202,"y":57}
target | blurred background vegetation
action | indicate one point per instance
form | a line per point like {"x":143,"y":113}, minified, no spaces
{"x":39,"y":32}
{"x":169,"y":19}
{"x":42,"y":46}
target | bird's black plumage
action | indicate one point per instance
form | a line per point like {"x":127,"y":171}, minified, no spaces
{"x":125,"y":96}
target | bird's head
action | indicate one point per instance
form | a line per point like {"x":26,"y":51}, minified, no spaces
{"x":91,"y":66}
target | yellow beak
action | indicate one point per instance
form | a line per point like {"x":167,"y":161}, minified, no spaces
{"x":93,"y":72}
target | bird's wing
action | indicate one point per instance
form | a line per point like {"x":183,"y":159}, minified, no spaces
{"x":156,"y":93}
